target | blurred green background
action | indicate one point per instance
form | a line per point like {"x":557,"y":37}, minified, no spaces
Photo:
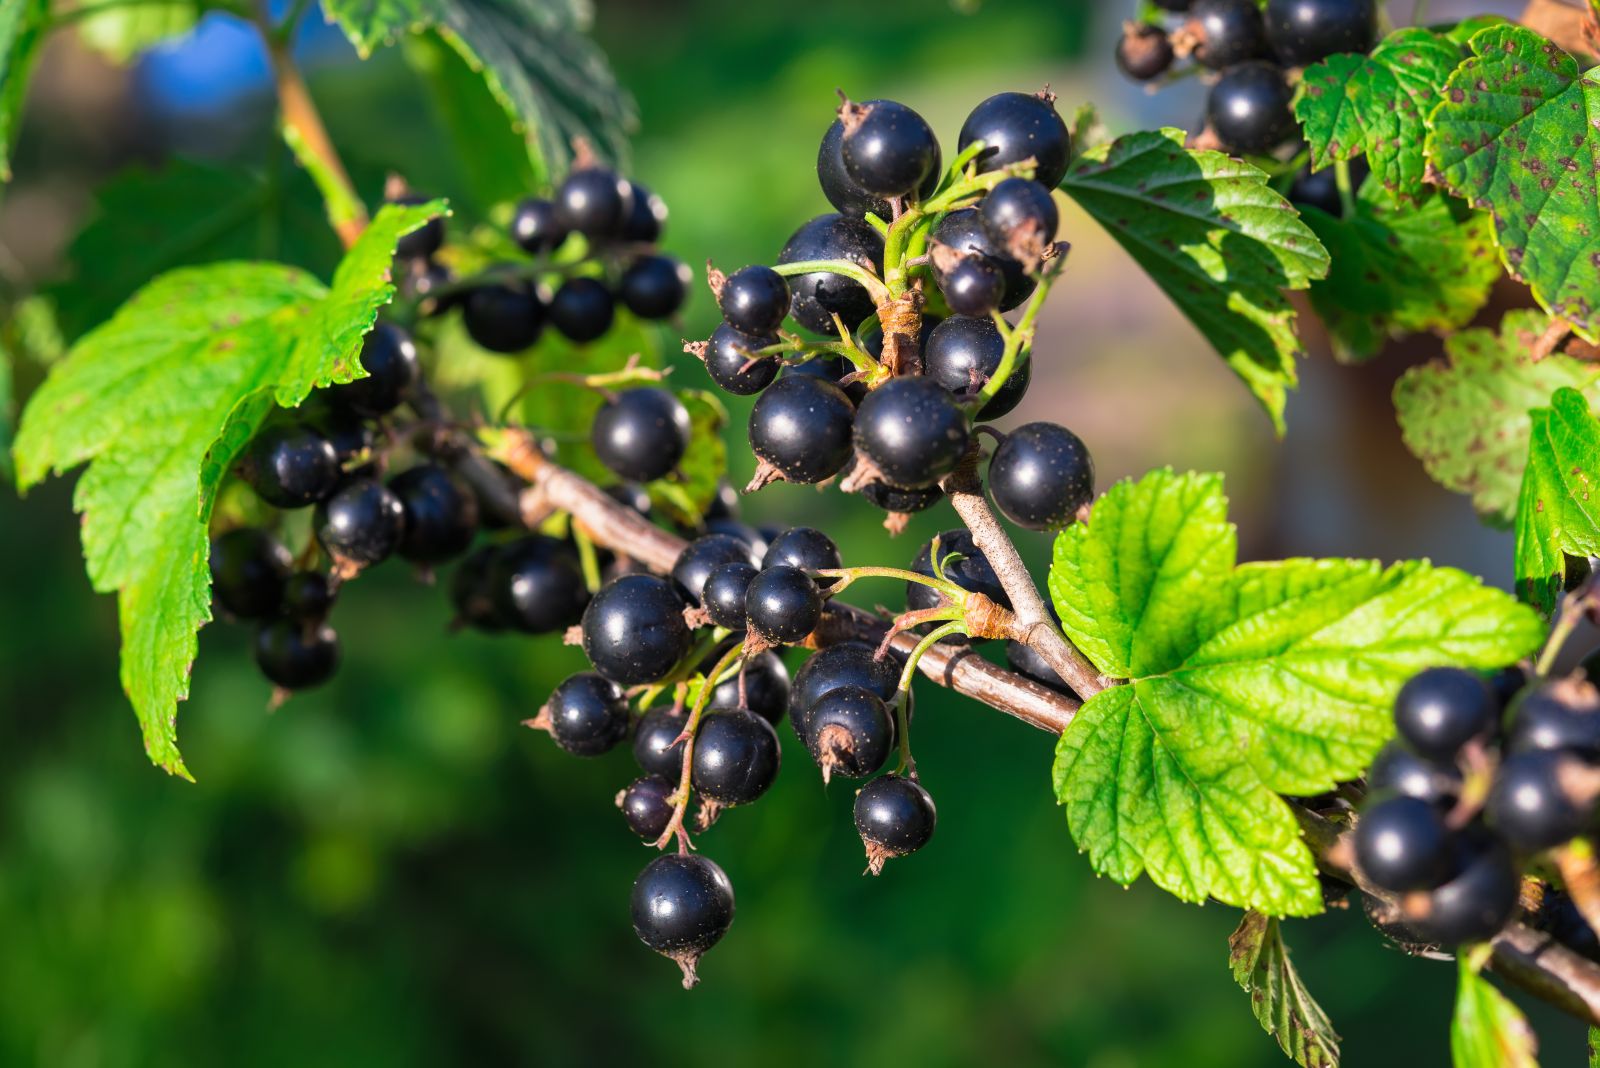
{"x":391,"y":870}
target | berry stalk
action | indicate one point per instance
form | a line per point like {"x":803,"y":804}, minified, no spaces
{"x":680,"y":798}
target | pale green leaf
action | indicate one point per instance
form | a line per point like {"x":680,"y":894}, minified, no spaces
{"x":1556,"y":516}
{"x":123,"y":30}
{"x":22,"y":31}
{"x":1285,"y":1008}
{"x":689,"y":492}
{"x":8,"y":415}
{"x":1487,"y":1030}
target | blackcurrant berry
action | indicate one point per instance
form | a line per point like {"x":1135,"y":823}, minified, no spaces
{"x":1302,"y":32}
{"x":835,"y":369}
{"x":782,"y":605}
{"x":733,"y":528}
{"x":888,"y":149}
{"x":654,"y":287}
{"x":846,"y":664}
{"x":964,"y":564}
{"x":630,"y":495}
{"x":1249,"y":107}
{"x":1476,"y":903}
{"x":641,"y":433}
{"x":502,"y":317}
{"x":588,"y":715}
{"x":682,"y":906}
{"x":292,"y":466}
{"x":970,"y":282}
{"x":1403,"y":844}
{"x":766,"y":687}
{"x":582,"y":309}
{"x":963,"y":351}
{"x":297,"y":656}
{"x":646,"y":806}
{"x":902,"y":501}
{"x":1041,"y":475}
{"x":963,"y":230}
{"x":847,"y":195}
{"x":1508,"y":682}
{"x":820,"y":295}
{"x":801,"y":426}
{"x":755,"y":300}
{"x":1173,"y":5}
{"x":807,"y":548}
{"x":1228,"y":32}
{"x":633,"y":630}
{"x":427,"y":288}
{"x":1541,"y":798}
{"x":646,"y":218}
{"x":1397,"y":770}
{"x":852,"y":732}
{"x":1317,"y":189}
{"x":1144,"y":52}
{"x":472,"y":591}
{"x":1014,"y":127}
{"x":1439,"y":710}
{"x":1560,"y":919}
{"x":537,"y":584}
{"x":656,"y":747}
{"x":390,"y":358}
{"x":441,"y":513}
{"x":895,"y":816}
{"x":248,"y":570}
{"x":595,"y":202}
{"x":912,"y":430}
{"x":536,"y":227}
{"x":1021,"y":217}
{"x":732,"y":364}
{"x":353,"y":440}
{"x":724,"y":593}
{"x":361,"y":524}
{"x":701,"y":557}
{"x":736,"y":757}
{"x":1026,"y":661}
{"x":424,"y":241}
{"x":1564,"y":714}
{"x":308,"y":597}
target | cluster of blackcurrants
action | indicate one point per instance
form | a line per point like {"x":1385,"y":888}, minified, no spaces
{"x":896,"y":440}
{"x":1249,"y":106}
{"x":597,"y":234}
{"x":1484,"y":777}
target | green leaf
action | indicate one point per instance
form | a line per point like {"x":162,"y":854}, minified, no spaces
{"x":1245,"y":682}
{"x":1221,"y":243}
{"x":22,"y":30}
{"x":1462,"y":32}
{"x":1594,"y":1047}
{"x":1402,"y":270}
{"x":159,"y":401}
{"x":1555,"y":516}
{"x":1285,"y":1008}
{"x":147,"y":222}
{"x":1378,"y":105}
{"x":551,"y":81}
{"x":8,"y":416}
{"x":1466,"y":417}
{"x":123,"y":30}
{"x":1515,"y":134}
{"x":1487,"y":1030}
{"x":704,"y":465}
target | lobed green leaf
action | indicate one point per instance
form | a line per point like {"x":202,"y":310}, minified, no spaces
{"x":1278,"y":997}
{"x":22,"y":29}
{"x":1555,"y":515}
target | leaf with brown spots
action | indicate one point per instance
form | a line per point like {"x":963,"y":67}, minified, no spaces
{"x":1287,"y":1011}
{"x":1466,"y":417}
{"x":1558,"y":510}
{"x":1518,"y":133}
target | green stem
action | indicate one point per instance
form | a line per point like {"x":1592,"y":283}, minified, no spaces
{"x":1347,"y":197}
{"x":285,"y":31}
{"x":855,"y":272}
{"x":929,"y":640}
{"x":1016,"y":339}
{"x":681,"y":796}
{"x":848,"y":575}
{"x":588,"y":558}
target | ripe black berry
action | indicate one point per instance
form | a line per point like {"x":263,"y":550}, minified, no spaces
{"x":912,"y":430}
{"x":782,"y":605}
{"x":682,"y":906}
{"x":755,"y":300}
{"x":1302,"y":32}
{"x":835,"y":369}
{"x":1249,"y":107}
{"x":845,"y":664}
{"x":248,"y":570}
{"x":297,"y":656}
{"x":390,"y":358}
{"x":807,"y":548}
{"x":472,"y":591}
{"x":646,"y":807}
{"x":963,"y":351}
{"x":582,"y":309}
{"x":736,"y":756}
{"x":902,"y":501}
{"x":895,"y":816}
{"x":801,"y":426}
{"x":820,"y":295}
{"x":1397,"y":770}
{"x":641,"y":433}
{"x":844,"y":192}
{"x":647,"y":216}
{"x":1041,"y":475}
{"x":1015,"y":126}
{"x":1229,"y":32}
{"x":1442,"y":709}
{"x":1564,"y":714}
{"x":970,"y":570}
{"x":724,"y":594}
{"x":633,"y":630}
{"x":731,"y":363}
{"x":1541,"y":798}
{"x":588,"y":715}
{"x":1026,"y":661}
{"x":970,"y":282}
{"x":963,"y":230}
{"x":1402,"y":844}
{"x":888,"y":149}
{"x":292,"y":466}
{"x":1173,"y":5}
{"x":656,"y":747}
{"x":424,"y":241}
{"x":630,"y":495}
{"x":701,"y":557}
{"x":537,"y":585}
{"x":851,"y":732}
{"x":536,"y":227}
{"x":503,"y":317}
{"x":352,"y":438}
{"x":1477,"y":902}
{"x":1317,"y":189}
{"x":1144,"y":52}
{"x":595,"y":202}
{"x":362,"y":524}
{"x":654,"y":287}
{"x":441,"y":513}
{"x":308,"y":597}
{"x":766,"y":687}
{"x":1021,"y":217}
